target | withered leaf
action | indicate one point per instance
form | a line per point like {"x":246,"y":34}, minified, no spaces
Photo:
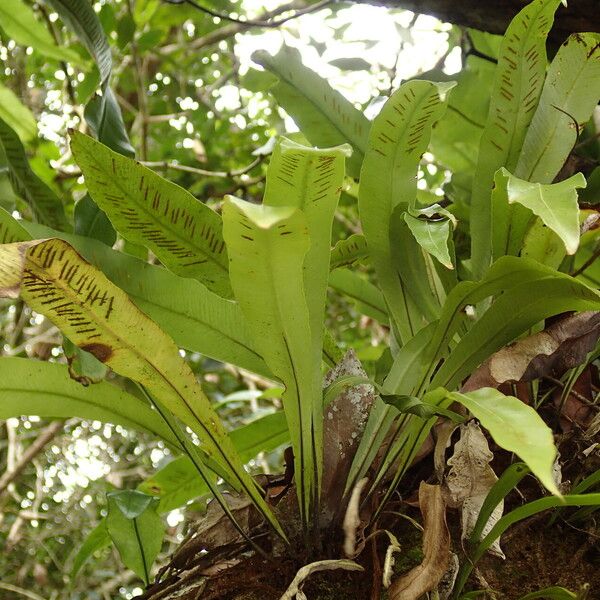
{"x":436,"y":548}
{"x":470,"y":479}
{"x":561,"y":346}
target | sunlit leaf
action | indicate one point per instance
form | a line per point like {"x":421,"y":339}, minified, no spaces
{"x":570,"y":93}
{"x":270,"y":243}
{"x":399,"y":136}
{"x":147,"y":209}
{"x":517,"y":87}
{"x":16,"y":114}
{"x":19,"y":24}
{"x":324,"y":115}
{"x":100,"y":318}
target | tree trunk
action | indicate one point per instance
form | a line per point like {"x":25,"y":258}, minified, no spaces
{"x":495,"y":15}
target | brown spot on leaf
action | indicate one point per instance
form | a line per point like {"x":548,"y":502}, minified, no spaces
{"x":101,"y":351}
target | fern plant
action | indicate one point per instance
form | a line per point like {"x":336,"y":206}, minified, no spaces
{"x":249,"y":287}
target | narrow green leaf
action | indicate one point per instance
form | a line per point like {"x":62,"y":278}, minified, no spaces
{"x":325,"y":117}
{"x":102,"y":113}
{"x":178,"y":482}
{"x":79,"y":15}
{"x":270,"y":243}
{"x":403,"y":378}
{"x":509,"y":480}
{"x":504,"y":274}
{"x":516,"y":427}
{"x":44,"y":203}
{"x":146,"y":209}
{"x":527,"y":303}
{"x":19,"y":24}
{"x":136,"y":529}
{"x":551,"y":593}
{"x":96,"y":540}
{"x":570,"y":93}
{"x":369,"y":300}
{"x":517,"y":87}
{"x":105,"y":120}
{"x":16,"y":114}
{"x":399,"y":136}
{"x":29,"y":387}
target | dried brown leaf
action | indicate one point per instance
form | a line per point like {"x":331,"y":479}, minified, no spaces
{"x":295,"y":588}
{"x":561,"y":346}
{"x":436,"y":548}
{"x":470,"y":479}
{"x":352,"y":520}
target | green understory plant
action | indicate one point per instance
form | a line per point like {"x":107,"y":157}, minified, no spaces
{"x":248,"y":286}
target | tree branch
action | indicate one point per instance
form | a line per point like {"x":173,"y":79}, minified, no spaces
{"x":32,"y":451}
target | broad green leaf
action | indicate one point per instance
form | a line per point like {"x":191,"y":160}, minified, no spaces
{"x":432,"y":236}
{"x":194,"y":317}
{"x":44,"y":203}
{"x":10,"y":229}
{"x":399,"y":136}
{"x":517,"y":87}
{"x":516,"y":427}
{"x":96,"y":540}
{"x":349,"y":251}
{"x":177,"y":483}
{"x":101,"y":319}
{"x":555,"y":204}
{"x":267,"y":247}
{"x":16,"y":114}
{"x":310,"y":179}
{"x":369,"y":300}
{"x":543,"y":245}
{"x":136,"y":530}
{"x":324,"y":116}
{"x":570,"y":93}
{"x":19,"y":24}
{"x":146,"y":209}
{"x":29,"y":387}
